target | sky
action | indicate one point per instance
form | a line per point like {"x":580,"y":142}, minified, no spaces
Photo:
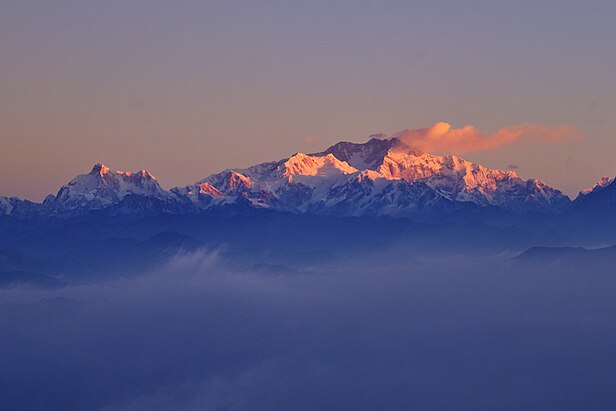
{"x":185,"y":89}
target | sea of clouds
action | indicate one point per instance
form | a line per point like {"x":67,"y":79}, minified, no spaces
{"x":373,"y":333}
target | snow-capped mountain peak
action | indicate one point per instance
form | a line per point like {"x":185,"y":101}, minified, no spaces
{"x":362,"y":156}
{"x":307,"y":165}
{"x":375,"y":177}
{"x":103,"y":187}
{"x":599,"y":185}
{"x":99,"y":169}
{"x":451,"y":176}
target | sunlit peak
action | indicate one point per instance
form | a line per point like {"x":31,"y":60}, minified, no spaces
{"x":100,"y":168}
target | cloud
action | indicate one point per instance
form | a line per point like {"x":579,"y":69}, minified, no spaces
{"x":312,"y":141}
{"x":364,"y":333}
{"x":513,"y":167}
{"x":442,"y":137}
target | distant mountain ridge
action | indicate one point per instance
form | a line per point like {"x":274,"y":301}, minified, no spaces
{"x":380,"y":177}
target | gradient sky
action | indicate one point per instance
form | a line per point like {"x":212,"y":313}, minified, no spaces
{"x":188,"y":88}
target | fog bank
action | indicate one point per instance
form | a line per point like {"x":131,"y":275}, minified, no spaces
{"x":398,"y":334}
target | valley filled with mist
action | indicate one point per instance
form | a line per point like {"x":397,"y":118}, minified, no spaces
{"x":274,"y":311}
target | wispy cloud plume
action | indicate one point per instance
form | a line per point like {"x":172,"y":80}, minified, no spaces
{"x":442,"y":137}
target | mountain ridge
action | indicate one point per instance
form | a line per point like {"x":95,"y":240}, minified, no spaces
{"x":382,"y":176}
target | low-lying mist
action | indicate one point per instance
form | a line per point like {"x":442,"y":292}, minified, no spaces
{"x":372,"y":333}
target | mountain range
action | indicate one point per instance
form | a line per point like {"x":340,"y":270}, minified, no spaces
{"x":377,"y":198}
{"x":382,"y":177}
